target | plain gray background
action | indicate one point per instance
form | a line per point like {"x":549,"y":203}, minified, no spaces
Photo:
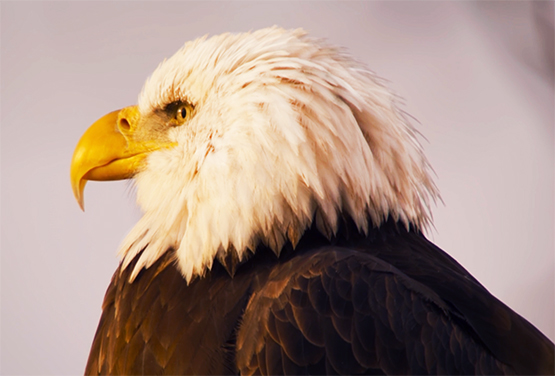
{"x":478,"y":77}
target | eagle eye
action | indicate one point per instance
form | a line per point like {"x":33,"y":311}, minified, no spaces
{"x":182,"y":113}
{"x":179,"y":112}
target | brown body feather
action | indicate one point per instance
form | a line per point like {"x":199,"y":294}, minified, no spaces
{"x":387,"y":303}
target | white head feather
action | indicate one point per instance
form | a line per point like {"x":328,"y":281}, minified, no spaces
{"x":285,"y":131}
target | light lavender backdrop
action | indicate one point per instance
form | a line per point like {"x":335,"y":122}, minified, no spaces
{"x":477,"y":76}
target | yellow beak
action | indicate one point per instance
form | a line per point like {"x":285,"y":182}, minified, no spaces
{"x":109,"y":151}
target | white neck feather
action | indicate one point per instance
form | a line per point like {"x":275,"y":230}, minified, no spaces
{"x":285,"y":132}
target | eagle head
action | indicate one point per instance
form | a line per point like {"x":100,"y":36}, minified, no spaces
{"x":249,"y":139}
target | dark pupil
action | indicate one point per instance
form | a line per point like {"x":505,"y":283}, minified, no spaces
{"x":183,"y":112}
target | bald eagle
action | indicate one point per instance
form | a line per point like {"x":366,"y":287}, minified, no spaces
{"x":284,"y":197}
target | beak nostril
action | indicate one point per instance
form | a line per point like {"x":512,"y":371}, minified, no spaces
{"x":124,"y":125}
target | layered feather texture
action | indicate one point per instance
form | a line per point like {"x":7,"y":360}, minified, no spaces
{"x":285,"y":131}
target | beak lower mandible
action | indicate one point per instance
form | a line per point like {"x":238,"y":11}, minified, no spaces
{"x":107,"y":151}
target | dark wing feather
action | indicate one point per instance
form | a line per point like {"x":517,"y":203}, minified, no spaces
{"x":348,"y":311}
{"x":390,"y":302}
{"x":507,"y":335}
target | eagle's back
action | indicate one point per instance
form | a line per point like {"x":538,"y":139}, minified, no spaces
{"x":386,"y":303}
